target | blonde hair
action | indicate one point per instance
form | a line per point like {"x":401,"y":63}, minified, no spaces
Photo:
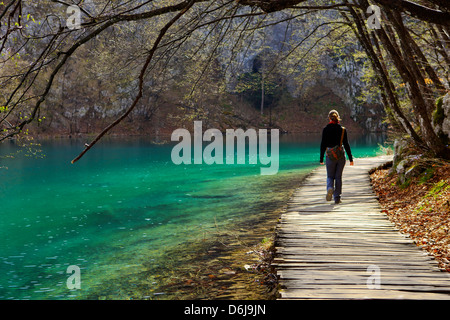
{"x":334,"y":115}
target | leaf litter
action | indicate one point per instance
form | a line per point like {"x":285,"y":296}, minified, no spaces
{"x":419,"y":209}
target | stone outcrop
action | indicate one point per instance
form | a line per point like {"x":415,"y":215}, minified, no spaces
{"x":441,"y":118}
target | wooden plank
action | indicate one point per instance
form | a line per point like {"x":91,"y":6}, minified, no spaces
{"x":305,"y":248}
{"x":416,"y":288}
{"x":355,"y":261}
{"x":348,"y":250}
{"x":336,"y":237}
{"x":324,"y":250}
{"x":374,"y":251}
{"x":361,"y":273}
{"x":353,"y":266}
{"x":362,"y":294}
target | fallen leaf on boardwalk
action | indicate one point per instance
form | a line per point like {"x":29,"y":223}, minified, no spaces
{"x":229,"y":272}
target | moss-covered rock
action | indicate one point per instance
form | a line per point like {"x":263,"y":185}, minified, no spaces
{"x":441,"y":118}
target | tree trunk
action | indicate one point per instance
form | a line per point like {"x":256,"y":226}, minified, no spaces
{"x":262,"y":93}
{"x":419,"y":91}
{"x":393,"y":108}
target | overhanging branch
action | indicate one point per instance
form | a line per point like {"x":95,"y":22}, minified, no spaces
{"x":418,"y":11}
{"x":141,"y":81}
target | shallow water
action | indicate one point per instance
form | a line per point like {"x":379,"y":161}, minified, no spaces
{"x":122,"y":211}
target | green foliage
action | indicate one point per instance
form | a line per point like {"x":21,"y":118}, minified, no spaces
{"x":438,"y":189}
{"x":250,"y":87}
{"x":427,"y":175}
{"x":27,"y":147}
{"x":385,"y":149}
{"x":249,"y":83}
{"x":405,"y":184}
{"x":438,"y":114}
{"x":435,"y":192}
{"x":424,"y":207}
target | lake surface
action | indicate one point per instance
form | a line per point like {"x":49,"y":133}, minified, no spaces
{"x":126,"y":215}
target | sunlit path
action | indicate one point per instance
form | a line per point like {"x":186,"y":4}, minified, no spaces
{"x":350,"y":250}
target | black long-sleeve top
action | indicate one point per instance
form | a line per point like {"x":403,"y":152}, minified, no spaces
{"x":331,"y":137}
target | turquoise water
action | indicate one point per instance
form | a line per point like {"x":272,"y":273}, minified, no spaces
{"x":118,"y":211}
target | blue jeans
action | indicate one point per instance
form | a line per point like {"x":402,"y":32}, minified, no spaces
{"x":334,"y":176}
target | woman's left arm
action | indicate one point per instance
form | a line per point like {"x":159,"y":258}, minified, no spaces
{"x":347,"y":148}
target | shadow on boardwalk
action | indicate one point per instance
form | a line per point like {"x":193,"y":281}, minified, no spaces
{"x":350,"y":250}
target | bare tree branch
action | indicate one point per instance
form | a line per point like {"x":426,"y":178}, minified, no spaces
{"x":141,"y":80}
{"x":16,"y":129}
{"x":418,"y":11}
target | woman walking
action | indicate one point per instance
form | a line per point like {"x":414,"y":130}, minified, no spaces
{"x":333,"y":137}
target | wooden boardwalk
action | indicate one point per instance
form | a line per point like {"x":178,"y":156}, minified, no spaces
{"x":350,"y":250}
